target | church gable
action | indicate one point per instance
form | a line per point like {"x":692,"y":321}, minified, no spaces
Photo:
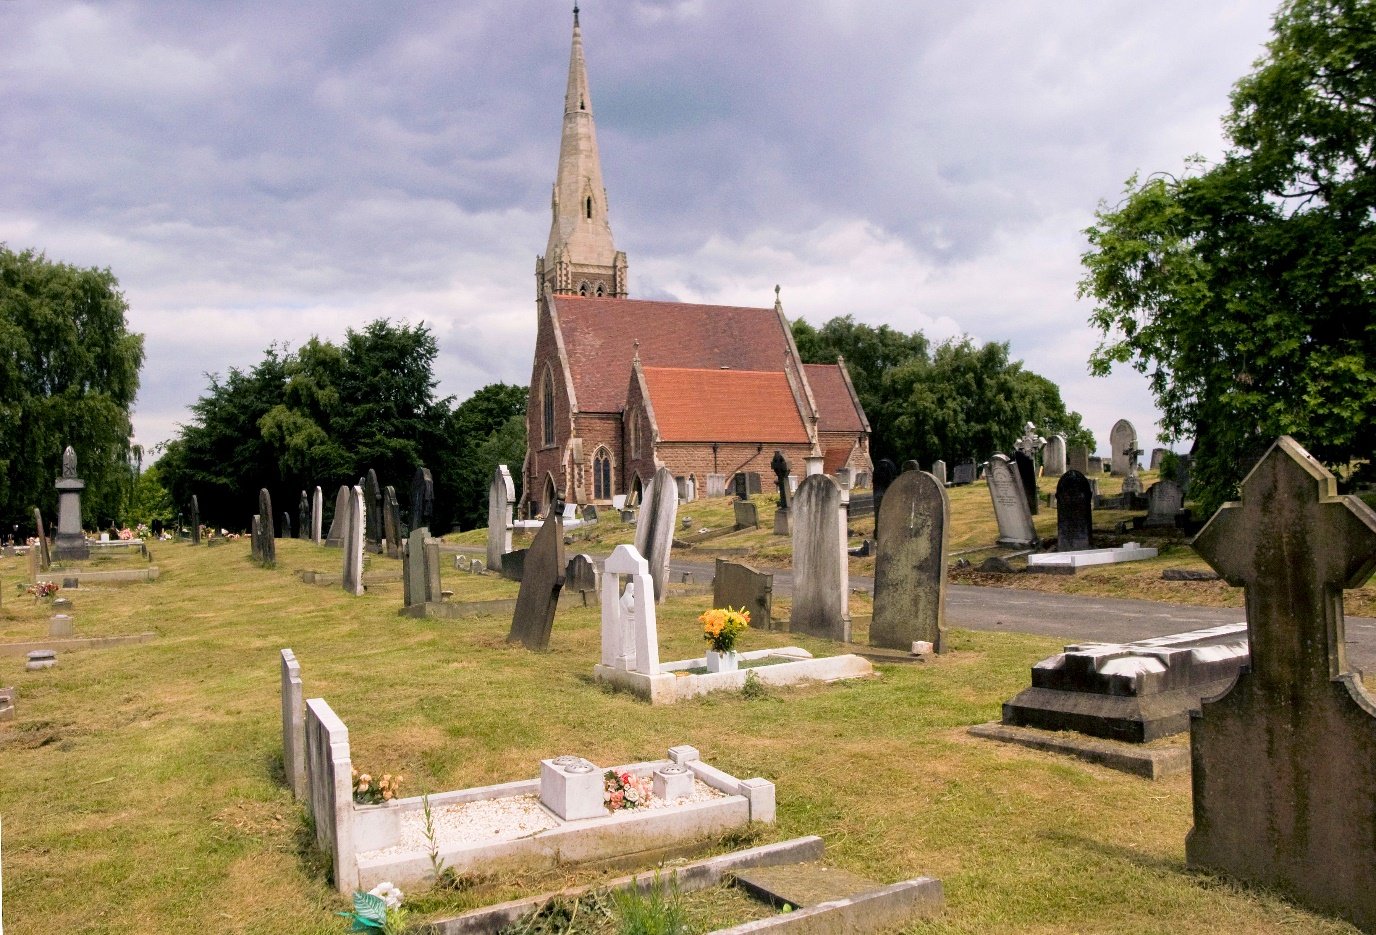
{"x":838,"y":408}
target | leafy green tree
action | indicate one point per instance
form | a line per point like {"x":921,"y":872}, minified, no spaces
{"x":1245,"y":290}
{"x":69,"y":372}
{"x":488,"y":429}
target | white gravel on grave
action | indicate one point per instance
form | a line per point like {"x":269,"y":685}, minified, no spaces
{"x":491,"y":821}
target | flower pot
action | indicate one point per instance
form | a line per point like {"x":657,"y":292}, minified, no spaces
{"x":728,"y":661}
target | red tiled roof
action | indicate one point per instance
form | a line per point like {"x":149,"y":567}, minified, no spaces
{"x":600,"y":334}
{"x":833,"y":459}
{"x":836,"y":410}
{"x":693,"y":405}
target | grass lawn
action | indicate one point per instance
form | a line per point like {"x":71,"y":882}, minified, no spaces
{"x":143,"y":787}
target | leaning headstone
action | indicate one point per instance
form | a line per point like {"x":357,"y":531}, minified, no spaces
{"x":821,"y":571}
{"x":500,"y":493}
{"x":293,"y":725}
{"x":303,"y":517}
{"x":747,"y":514}
{"x":391,"y":521}
{"x":541,"y":582}
{"x":1285,"y":762}
{"x":885,"y":473}
{"x":1027,"y":476}
{"x":716,"y":485}
{"x":910,"y":567}
{"x":1010,"y":503}
{"x":267,"y":548}
{"x":654,"y":533}
{"x":963,"y":474}
{"x":372,"y":506}
{"x":939,"y":471}
{"x":1121,"y":438}
{"x":355,"y":526}
{"x":339,"y":523}
{"x":71,"y":541}
{"x":1164,"y":501}
{"x":1077,"y":459}
{"x":630,"y":637}
{"x":1074,"y":512}
{"x":581,"y":574}
{"x":422,"y":498}
{"x":317,"y":515}
{"x":1053,"y":456}
{"x":740,"y":586}
{"x":195,"y":520}
{"x":45,"y":558}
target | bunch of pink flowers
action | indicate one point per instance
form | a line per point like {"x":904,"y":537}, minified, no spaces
{"x":624,"y":790}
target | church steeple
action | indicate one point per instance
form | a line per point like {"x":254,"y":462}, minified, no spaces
{"x":580,"y":256}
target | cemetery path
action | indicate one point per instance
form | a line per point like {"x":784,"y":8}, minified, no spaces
{"x":1074,"y":617}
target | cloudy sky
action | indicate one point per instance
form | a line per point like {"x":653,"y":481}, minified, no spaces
{"x":259,"y":171}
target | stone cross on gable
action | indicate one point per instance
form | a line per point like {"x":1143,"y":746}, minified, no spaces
{"x":1284,"y":762}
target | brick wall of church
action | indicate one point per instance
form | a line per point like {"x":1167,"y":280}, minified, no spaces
{"x":860,"y":454}
{"x":598,"y":430}
{"x":698,"y":459}
{"x":545,"y":459}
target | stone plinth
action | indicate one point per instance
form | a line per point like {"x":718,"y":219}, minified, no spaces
{"x":71,"y":542}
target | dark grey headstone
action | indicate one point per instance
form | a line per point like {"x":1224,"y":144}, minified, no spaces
{"x":303,"y":517}
{"x":339,"y":522}
{"x":195,"y":520}
{"x":963,"y":473}
{"x":541,"y":581}
{"x":1285,"y":761}
{"x":581,"y":574}
{"x":268,"y":545}
{"x":821,"y":571}
{"x":885,"y":473}
{"x":391,"y":521}
{"x":45,"y":559}
{"x":1164,"y":501}
{"x":372,"y":506}
{"x":740,"y":586}
{"x":513,"y":564}
{"x":747,"y":515}
{"x":910,"y":568}
{"x":1077,"y":459}
{"x":779,"y":465}
{"x":589,"y":513}
{"x":413,"y":578}
{"x":1074,"y":512}
{"x":422,"y":498}
{"x":286,"y":526}
{"x":1027,"y":476}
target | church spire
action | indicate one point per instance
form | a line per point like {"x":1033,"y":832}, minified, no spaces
{"x":580,"y":256}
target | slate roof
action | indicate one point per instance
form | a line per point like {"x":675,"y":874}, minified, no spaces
{"x":599,"y":337}
{"x":836,"y":409}
{"x":698,"y":405}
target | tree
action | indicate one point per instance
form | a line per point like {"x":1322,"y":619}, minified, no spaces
{"x":488,"y":429}
{"x":69,"y":372}
{"x":1244,"y":290}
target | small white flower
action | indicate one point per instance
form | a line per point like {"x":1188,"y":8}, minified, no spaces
{"x":389,"y":894}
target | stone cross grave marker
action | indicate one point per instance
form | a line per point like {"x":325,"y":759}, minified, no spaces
{"x":355,"y":524}
{"x":391,"y":521}
{"x":422,"y":498}
{"x":738,"y":585}
{"x":339,"y":523}
{"x":195,"y":520}
{"x":1053,"y":456}
{"x":1010,"y":503}
{"x":1030,"y":442}
{"x":1027,"y":477}
{"x":1121,"y":438}
{"x":1074,"y":512}
{"x":1285,"y":761}
{"x":500,"y":493}
{"x":268,"y":545}
{"x":541,"y":581}
{"x":910,"y":567}
{"x":654,"y":533}
{"x":779,"y":465}
{"x":630,"y":635}
{"x":821,"y":570}
{"x":317,"y":515}
{"x":372,"y":507}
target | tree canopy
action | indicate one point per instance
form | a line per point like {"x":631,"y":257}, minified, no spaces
{"x":957,"y":402}
{"x":69,"y":372}
{"x":324,"y":414}
{"x":1244,"y":290}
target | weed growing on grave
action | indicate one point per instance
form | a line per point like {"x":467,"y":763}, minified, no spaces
{"x":445,"y":877}
{"x":655,"y":911}
{"x":753,"y":689}
{"x":589,"y":913}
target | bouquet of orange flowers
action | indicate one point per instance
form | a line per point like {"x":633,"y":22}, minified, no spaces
{"x":722,"y":625}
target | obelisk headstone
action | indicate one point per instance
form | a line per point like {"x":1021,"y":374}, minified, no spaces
{"x":268,"y":544}
{"x":910,"y":566}
{"x":339,"y":522}
{"x":422,"y":498}
{"x":372,"y":505}
{"x":71,"y":541}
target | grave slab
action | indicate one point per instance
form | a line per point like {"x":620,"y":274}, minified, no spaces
{"x":1082,"y":558}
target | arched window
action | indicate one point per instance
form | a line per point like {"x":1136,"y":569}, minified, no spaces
{"x":602,"y":475}
{"x":587,"y":207}
{"x":601,"y":290}
{"x":547,"y":408}
{"x":583,"y":287}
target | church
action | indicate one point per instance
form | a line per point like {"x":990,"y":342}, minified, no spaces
{"x":621,"y":386}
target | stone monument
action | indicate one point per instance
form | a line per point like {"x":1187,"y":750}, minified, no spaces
{"x":738,"y":585}
{"x":1121,"y":438}
{"x":910,"y":567}
{"x":339,"y":522}
{"x":317,"y":515}
{"x":1010,"y":504}
{"x":195,"y":520}
{"x":1027,"y":478}
{"x":500,"y":494}
{"x":1074,"y":513}
{"x":541,"y":581}
{"x":267,"y":547}
{"x":372,"y":506}
{"x":71,"y":541}
{"x":303,"y":517}
{"x":654,"y":531}
{"x":355,"y":523}
{"x":1053,"y":456}
{"x":422,"y":498}
{"x":821,"y":570}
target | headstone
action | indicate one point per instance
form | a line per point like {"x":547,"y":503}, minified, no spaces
{"x":355,"y":526}
{"x":372,"y":507}
{"x":740,"y":586}
{"x":268,"y":545}
{"x":1074,"y":512}
{"x":1030,"y":442}
{"x":716,"y":485}
{"x":779,"y":465}
{"x":1077,"y":459}
{"x":422,"y":498}
{"x":581,"y":574}
{"x":1132,"y":485}
{"x":654,"y":532}
{"x":293,"y":725}
{"x":964,"y":474}
{"x":1121,"y":438}
{"x":1156,"y":455}
{"x":630,"y":637}
{"x":1164,"y":501}
{"x":339,"y":523}
{"x":500,"y":494}
{"x":911,"y":465}
{"x":195,"y":520}
{"x":286,"y":526}
{"x":885,"y":473}
{"x":303,"y":517}
{"x":1010,"y":504}
{"x":1183,"y":463}
{"x":41,"y":659}
{"x":413,"y":577}
{"x":513,"y":564}
{"x":589,"y":513}
{"x":391,"y":521}
{"x":45,"y":559}
{"x":1096,"y":466}
{"x":1027,"y":477}
{"x":910,"y":567}
{"x":6,"y":704}
{"x":61,"y":627}
{"x":317,"y":515}
{"x":1285,"y":761}
{"x":939,"y":471}
{"x":71,"y":541}
{"x":255,"y":538}
{"x":821,"y":571}
{"x":431,"y":568}
{"x":1053,"y":456}
{"x":541,"y":581}
{"x":747,"y":515}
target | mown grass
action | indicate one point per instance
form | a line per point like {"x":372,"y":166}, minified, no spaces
{"x":143,"y":787}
